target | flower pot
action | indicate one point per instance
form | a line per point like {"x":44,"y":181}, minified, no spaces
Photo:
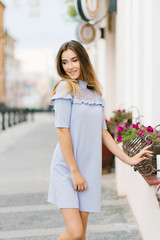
{"x":107,"y":159}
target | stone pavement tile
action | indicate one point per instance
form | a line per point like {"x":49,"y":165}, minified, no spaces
{"x":11,"y":135}
{"x":120,"y":235}
{"x":31,"y":220}
{"x":104,"y":225}
{"x":109,"y":193}
{"x":103,"y":236}
{"x":25,"y":164}
{"x":36,"y":238}
{"x":112,"y":214}
{"x":23,"y":199}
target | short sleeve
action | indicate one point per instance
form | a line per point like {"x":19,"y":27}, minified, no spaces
{"x":104,"y":125}
{"x":62,"y":106}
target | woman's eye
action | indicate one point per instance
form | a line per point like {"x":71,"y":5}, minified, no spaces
{"x":63,"y":63}
{"x":75,"y":60}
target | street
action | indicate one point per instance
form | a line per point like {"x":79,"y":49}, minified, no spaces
{"x":25,"y":155}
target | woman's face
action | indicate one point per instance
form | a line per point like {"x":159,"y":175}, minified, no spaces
{"x":71,"y":64}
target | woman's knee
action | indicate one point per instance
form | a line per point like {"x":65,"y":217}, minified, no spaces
{"x":77,"y":232}
{"x":74,"y":224}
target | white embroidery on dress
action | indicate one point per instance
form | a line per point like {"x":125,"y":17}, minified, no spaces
{"x":88,"y":95}
{"x":85,"y":95}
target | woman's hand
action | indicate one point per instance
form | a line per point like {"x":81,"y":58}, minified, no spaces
{"x":142,"y":155}
{"x":78,"y":181}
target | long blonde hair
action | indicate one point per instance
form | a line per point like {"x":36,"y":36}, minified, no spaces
{"x":87,"y":72}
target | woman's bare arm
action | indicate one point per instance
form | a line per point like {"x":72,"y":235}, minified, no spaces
{"x":66,"y":148}
{"x":117,"y":151}
{"x":67,"y":151}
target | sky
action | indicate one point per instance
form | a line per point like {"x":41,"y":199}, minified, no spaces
{"x":38,"y":31}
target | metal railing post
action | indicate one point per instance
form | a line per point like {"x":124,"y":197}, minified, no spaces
{"x":14,"y":116}
{"x":9,"y":118}
{"x":3,"y":119}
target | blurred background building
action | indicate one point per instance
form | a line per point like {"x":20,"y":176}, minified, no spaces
{"x":13,"y":86}
{"x":29,"y":41}
{"x":2,"y":37}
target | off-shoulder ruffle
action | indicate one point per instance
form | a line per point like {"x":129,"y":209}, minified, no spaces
{"x":59,"y":92}
{"x":76,"y":100}
{"x":61,"y":96}
{"x":88,"y":102}
{"x":87,"y":96}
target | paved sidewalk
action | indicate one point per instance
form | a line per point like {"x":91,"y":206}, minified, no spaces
{"x":25,"y":155}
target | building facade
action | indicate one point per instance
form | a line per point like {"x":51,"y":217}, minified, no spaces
{"x":127,"y":64}
{"x":10,"y":84}
{"x":12,"y":74}
{"x":2,"y":37}
{"x":131,"y":70}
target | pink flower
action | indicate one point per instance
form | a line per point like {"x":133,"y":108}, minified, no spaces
{"x":119,"y":129}
{"x":135,"y":126}
{"x":149,"y":129}
{"x":119,"y":138}
{"x":158,"y":137}
{"x":116,"y":122}
{"x":106,"y":120}
{"x":141,"y":132}
{"x":120,"y":111}
{"x":127,"y":125}
{"x":150,"y":142}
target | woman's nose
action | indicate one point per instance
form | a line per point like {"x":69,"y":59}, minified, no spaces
{"x":70,"y":65}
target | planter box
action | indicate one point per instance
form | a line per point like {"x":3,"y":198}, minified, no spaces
{"x":107,"y":159}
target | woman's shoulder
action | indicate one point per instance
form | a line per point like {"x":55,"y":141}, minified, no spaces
{"x":61,"y":91}
{"x":61,"y":86}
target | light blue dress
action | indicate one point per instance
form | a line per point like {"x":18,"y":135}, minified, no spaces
{"x":84,"y":117}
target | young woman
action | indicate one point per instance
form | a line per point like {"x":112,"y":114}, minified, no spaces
{"x":75,"y":180}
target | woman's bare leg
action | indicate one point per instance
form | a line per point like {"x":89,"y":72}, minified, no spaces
{"x":74,"y":225}
{"x":84,"y":217}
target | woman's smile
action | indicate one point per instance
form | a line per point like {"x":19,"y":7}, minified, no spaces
{"x":71,"y":64}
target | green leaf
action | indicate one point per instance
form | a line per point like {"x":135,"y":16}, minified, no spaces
{"x":72,"y":11}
